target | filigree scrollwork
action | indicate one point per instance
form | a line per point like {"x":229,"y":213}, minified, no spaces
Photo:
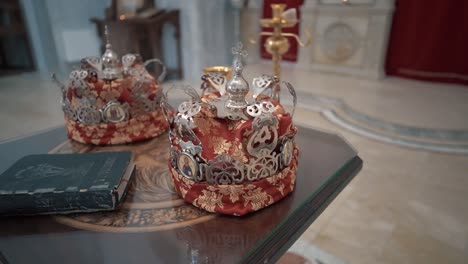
{"x":109,"y":68}
{"x":87,"y":114}
{"x":292,"y":91}
{"x":186,"y":133}
{"x":187,"y":139}
{"x":181,"y":122}
{"x":267,"y":107}
{"x":69,"y":111}
{"x":139,"y":73}
{"x":225,"y":170}
{"x":203,"y":170}
{"x":189,"y":147}
{"x":168,"y":111}
{"x":264,"y":107}
{"x":151,"y":105}
{"x":77,"y":80}
{"x":187,"y":110}
{"x":214,"y":80}
{"x":265,"y":135}
{"x":262,"y":83}
{"x":66,"y":104}
{"x":172,"y":156}
{"x":254,"y":110}
{"x":237,"y":114}
{"x":127,"y":61}
{"x":265,"y":165}
{"x":223,"y":112}
{"x":94,"y":62}
{"x":234,"y":117}
{"x":192,"y":93}
{"x":162,"y":75}
{"x":264,"y":120}
{"x":131,"y":64}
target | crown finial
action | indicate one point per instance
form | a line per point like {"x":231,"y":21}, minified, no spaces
{"x":110,"y":60}
{"x":106,"y":35}
{"x":238,"y":53}
{"x":237,"y":88}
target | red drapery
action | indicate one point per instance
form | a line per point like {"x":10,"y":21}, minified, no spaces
{"x":291,"y":55}
{"x":429,"y":41}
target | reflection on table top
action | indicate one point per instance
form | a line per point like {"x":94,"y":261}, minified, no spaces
{"x":154,"y":225}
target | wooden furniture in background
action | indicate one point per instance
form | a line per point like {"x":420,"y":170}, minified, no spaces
{"x":15,"y":48}
{"x":143,"y":36}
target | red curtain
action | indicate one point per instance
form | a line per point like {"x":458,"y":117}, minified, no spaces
{"x":429,"y":41}
{"x":291,"y":55}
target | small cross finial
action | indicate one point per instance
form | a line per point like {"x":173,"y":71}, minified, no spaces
{"x":238,"y":51}
{"x":237,"y":87}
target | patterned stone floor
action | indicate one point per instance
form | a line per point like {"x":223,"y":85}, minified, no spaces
{"x":408,"y":204}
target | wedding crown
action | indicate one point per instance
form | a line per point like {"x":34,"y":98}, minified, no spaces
{"x":109,"y":90}
{"x":231,"y":135}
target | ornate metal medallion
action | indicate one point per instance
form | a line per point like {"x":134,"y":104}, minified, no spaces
{"x":187,"y":165}
{"x":88,"y":115}
{"x":265,"y":165}
{"x":265,"y":135}
{"x":225,"y":170}
{"x":115,"y":112}
{"x":287,"y":152}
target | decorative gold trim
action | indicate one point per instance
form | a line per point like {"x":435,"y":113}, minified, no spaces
{"x":224,"y":70}
{"x":98,"y":228}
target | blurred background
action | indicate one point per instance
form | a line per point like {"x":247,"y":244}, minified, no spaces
{"x":388,"y":75}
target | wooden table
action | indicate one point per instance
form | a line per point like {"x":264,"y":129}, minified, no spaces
{"x":155,"y":226}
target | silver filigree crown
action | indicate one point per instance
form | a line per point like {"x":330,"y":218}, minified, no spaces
{"x":109,"y":67}
{"x":232,"y":100}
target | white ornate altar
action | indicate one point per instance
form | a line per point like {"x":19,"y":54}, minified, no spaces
{"x":349,"y":37}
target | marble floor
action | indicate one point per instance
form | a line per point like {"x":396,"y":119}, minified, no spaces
{"x":407,"y":205}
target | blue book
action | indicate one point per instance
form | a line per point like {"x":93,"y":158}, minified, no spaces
{"x":66,"y":183}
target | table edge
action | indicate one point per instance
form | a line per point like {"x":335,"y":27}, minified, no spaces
{"x":284,"y":235}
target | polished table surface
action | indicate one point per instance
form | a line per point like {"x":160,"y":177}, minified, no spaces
{"x":155,"y":226}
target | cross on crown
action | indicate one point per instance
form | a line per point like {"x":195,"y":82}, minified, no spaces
{"x":238,"y":53}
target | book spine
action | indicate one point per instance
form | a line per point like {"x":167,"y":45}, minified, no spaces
{"x":57,"y":202}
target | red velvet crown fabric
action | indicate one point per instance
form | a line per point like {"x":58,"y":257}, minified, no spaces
{"x":220,"y":136}
{"x":237,"y":199}
{"x":135,"y":129}
{"x":223,"y":136}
